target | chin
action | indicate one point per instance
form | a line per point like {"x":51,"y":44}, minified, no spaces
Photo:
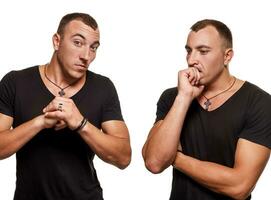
{"x":77,"y":74}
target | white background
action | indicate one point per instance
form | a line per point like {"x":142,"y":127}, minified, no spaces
{"x":142,"y":48}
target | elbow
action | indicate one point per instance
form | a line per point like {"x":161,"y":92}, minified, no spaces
{"x":154,"y":166}
{"x":125,"y":161}
{"x":240,"y":192}
{"x":4,"y":155}
{"x":240,"y":195}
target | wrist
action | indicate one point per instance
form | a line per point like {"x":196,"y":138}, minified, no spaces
{"x":38,"y":122}
{"x":184,"y":99}
{"x":83,"y":123}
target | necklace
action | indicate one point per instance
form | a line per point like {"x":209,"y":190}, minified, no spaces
{"x":61,"y":92}
{"x":207,"y":103}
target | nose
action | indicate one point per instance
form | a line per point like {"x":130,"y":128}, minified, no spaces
{"x":85,"y":54}
{"x":192,"y":59}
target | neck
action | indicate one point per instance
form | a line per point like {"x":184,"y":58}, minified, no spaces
{"x":219,"y":83}
{"x":60,"y":76}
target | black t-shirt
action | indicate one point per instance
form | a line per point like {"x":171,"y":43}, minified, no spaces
{"x":56,"y":165}
{"x":212,"y":136}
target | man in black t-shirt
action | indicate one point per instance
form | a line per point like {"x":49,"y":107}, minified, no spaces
{"x":61,"y":115}
{"x":213,"y":128}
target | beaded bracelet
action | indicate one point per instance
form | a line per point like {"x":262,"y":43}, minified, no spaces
{"x":82,"y":124}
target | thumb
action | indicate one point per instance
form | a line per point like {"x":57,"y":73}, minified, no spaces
{"x":201,"y":88}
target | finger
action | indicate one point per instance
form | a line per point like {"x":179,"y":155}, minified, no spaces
{"x":55,"y":115}
{"x":192,"y":78}
{"x":60,"y":125}
{"x":198,"y":77}
{"x":52,"y":106}
{"x":57,"y":104}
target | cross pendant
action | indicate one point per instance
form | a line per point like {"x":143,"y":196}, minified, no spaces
{"x":207,"y":103}
{"x":61,"y":93}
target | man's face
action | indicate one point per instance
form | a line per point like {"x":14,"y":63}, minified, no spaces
{"x":206,"y":52}
{"x":76,"y":48}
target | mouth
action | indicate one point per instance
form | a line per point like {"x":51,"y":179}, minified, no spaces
{"x":81,"y":65}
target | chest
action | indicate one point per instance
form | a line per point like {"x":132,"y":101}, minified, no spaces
{"x":30,"y":102}
{"x":213,"y":136}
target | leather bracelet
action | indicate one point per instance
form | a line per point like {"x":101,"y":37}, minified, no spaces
{"x":82,"y":124}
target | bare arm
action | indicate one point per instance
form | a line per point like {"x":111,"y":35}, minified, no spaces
{"x":11,"y":140}
{"x":159,"y":151}
{"x":112,"y":145}
{"x":237,"y":182}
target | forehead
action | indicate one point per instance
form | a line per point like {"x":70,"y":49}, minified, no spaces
{"x":77,"y":27}
{"x":207,"y":36}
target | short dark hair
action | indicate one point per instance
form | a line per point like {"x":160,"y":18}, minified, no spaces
{"x":83,"y":17}
{"x":221,"y":28}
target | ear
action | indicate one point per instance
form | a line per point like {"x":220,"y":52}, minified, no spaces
{"x":228,"y":56}
{"x":56,"y":41}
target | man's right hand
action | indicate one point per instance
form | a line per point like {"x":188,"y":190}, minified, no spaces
{"x":46,"y":122}
{"x":188,"y":83}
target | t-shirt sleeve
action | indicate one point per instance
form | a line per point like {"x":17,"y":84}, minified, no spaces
{"x":111,"y":107}
{"x":7,"y":94}
{"x":258,"y":120}
{"x":164,"y":103}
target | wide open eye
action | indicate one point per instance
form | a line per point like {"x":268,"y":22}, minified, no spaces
{"x":77,"y":43}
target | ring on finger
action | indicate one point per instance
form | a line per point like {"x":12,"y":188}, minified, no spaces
{"x":60,"y":107}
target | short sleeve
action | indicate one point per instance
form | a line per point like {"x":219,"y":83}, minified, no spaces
{"x":111,"y":107}
{"x":7,"y":94}
{"x":258,"y":120}
{"x":165,"y":102}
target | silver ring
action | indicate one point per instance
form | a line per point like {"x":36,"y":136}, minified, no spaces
{"x":60,"y":107}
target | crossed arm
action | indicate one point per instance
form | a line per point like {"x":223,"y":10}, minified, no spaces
{"x":237,"y":182}
{"x":159,"y":152}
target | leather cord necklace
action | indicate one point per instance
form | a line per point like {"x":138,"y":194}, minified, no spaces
{"x":207,"y":103}
{"x":61,"y":92}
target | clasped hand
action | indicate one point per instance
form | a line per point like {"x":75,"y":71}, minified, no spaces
{"x":61,"y":113}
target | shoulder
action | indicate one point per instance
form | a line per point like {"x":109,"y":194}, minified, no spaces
{"x":167,"y":98}
{"x":257,"y":101}
{"x":100,"y":84}
{"x":254,"y":89}
{"x":15,"y":75}
{"x":255,"y":94}
{"x":258,"y":115}
{"x":98,"y":79}
{"x":169,"y":94}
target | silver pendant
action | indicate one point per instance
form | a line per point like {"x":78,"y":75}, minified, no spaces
{"x":61,"y":93}
{"x":207,"y":103}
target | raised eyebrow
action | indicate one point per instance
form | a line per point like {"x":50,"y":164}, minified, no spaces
{"x":79,"y":35}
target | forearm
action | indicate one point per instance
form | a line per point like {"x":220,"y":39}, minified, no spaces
{"x":160,"y":149}
{"x":12,"y":140}
{"x":218,"y":178}
{"x":111,"y":149}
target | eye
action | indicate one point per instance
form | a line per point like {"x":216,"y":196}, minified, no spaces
{"x":188,"y":51}
{"x":94,"y":48}
{"x":204,"y":52}
{"x":77,"y":43}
